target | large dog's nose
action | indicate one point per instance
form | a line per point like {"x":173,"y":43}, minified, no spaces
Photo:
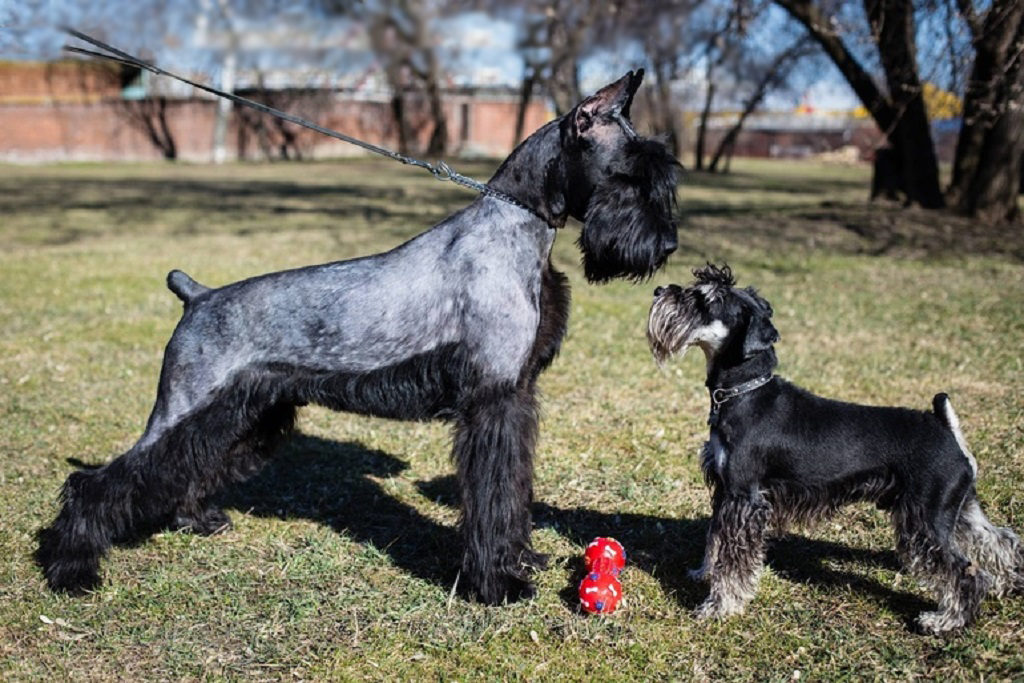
{"x":670,"y":246}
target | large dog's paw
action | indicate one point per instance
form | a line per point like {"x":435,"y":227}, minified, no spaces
{"x":74,"y":574}
{"x":534,"y":561}
{"x":210,"y":521}
{"x":502,"y":590}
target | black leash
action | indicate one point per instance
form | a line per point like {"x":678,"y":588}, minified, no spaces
{"x":440,"y":170}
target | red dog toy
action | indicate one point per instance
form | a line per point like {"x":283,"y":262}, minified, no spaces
{"x":600,"y":590}
{"x":600,"y":593}
{"x":607,"y":548}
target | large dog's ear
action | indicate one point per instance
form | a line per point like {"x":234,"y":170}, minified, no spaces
{"x":613,"y":99}
{"x":761,"y":334}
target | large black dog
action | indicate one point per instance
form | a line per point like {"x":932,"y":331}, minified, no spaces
{"x":777,"y":455}
{"x":455,"y":324}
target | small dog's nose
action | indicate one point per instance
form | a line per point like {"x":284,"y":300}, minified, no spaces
{"x":658,"y":291}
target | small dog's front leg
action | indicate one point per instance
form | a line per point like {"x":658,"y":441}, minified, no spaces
{"x":738,"y":529}
{"x":704,"y":571}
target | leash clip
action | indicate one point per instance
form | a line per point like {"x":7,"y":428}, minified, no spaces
{"x":442,"y":171}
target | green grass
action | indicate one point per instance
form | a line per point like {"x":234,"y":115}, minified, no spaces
{"x":344,"y":551}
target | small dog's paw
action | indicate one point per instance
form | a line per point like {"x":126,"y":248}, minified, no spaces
{"x":716,"y":609}
{"x":939,"y":623}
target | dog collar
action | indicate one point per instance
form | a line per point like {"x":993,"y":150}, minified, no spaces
{"x":720,"y":395}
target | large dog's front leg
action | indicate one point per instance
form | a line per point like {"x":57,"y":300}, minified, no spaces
{"x":494,"y":443}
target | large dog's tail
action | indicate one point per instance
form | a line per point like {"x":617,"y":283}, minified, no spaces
{"x":943,"y":409}
{"x":184,"y":287}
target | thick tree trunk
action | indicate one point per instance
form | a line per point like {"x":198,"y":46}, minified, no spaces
{"x":987,"y":166}
{"x":892,"y":23}
{"x":903,"y":118}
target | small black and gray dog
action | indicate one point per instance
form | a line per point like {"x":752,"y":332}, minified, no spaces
{"x":778,"y":456}
{"x":455,"y":324}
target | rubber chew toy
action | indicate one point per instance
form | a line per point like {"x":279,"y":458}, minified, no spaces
{"x":607,"y":548}
{"x":600,"y":590}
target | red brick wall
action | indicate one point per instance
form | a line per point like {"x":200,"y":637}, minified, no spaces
{"x":72,"y":112}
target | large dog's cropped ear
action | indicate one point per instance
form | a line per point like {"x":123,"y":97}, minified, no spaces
{"x":613,"y":99}
{"x":761,"y":334}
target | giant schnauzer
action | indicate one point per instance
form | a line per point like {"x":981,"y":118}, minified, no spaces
{"x":455,"y":324}
{"x":778,"y":455}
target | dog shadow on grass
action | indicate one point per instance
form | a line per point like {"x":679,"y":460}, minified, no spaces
{"x":333,"y":483}
{"x":666,"y":547}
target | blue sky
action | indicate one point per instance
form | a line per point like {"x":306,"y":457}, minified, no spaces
{"x":480,"y":49}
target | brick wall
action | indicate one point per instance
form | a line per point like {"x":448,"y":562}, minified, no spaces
{"x":72,"y":111}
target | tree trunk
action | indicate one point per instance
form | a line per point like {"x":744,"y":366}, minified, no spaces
{"x":663,"y":70}
{"x":903,"y":118}
{"x":986,"y":168}
{"x":892,"y":24}
{"x":401,"y":125}
{"x":705,"y":112}
{"x":525,"y":92}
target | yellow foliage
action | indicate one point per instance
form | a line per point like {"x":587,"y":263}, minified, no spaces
{"x":940,"y":103}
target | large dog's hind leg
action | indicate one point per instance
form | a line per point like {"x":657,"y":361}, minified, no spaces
{"x":166,"y":477}
{"x":494,"y":443}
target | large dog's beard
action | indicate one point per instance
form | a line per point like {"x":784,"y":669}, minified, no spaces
{"x":629,"y":227}
{"x":670,"y":328}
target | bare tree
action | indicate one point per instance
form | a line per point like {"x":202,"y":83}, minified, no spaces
{"x":765,"y":78}
{"x":149,"y":116}
{"x":991,"y":140}
{"x":555,"y":36}
{"x":987,"y":167}
{"x":404,"y":38}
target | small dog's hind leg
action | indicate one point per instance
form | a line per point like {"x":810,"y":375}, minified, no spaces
{"x":996,"y":549}
{"x":925,"y":543}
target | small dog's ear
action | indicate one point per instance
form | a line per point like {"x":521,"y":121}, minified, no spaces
{"x":761,"y":334}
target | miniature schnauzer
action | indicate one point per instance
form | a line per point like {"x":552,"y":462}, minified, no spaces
{"x":778,"y":455}
{"x":455,"y":324}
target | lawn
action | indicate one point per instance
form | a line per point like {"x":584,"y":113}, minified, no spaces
{"x":344,"y":551}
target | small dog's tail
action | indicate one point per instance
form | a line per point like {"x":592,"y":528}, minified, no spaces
{"x":184,"y":287}
{"x":943,"y":409}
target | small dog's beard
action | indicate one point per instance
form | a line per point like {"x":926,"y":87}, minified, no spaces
{"x":670,"y":329}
